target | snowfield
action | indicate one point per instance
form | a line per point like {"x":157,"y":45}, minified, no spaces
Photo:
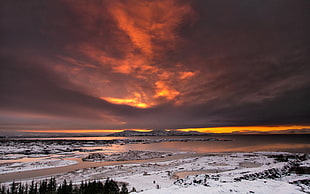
{"x":25,"y":166}
{"x":151,"y":172}
{"x":257,"y":172}
{"x":244,"y":187}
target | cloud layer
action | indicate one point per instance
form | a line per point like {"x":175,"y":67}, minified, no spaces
{"x":153,"y":64}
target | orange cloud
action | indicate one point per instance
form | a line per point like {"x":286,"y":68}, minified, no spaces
{"x":163,"y":90}
{"x":186,"y":75}
{"x":144,"y":31}
{"x":147,"y":22}
{"x":129,"y":101}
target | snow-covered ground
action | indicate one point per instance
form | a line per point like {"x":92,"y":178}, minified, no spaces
{"x":257,"y":172}
{"x":126,"y":156}
{"x":224,"y":171}
{"x":28,"y":148}
{"x":25,"y":166}
{"x":254,"y":172}
{"x":244,"y":187}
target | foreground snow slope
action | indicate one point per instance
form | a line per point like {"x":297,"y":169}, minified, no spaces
{"x":244,"y":187}
{"x":43,"y":164}
{"x":256,"y":172}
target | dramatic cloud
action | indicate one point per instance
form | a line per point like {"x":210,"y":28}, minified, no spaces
{"x":153,"y":64}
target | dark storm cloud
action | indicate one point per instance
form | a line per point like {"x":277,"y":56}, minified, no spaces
{"x":33,"y":33}
{"x":210,"y":63}
{"x":289,"y":108}
{"x":29,"y":86}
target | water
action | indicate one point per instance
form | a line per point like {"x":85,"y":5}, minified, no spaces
{"x":238,"y":143}
{"x":244,"y":143}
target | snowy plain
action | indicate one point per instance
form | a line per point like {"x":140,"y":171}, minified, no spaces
{"x":25,"y":166}
{"x":163,"y":172}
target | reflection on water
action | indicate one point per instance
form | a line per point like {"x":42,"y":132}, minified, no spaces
{"x":244,"y":143}
{"x":239,"y":143}
{"x":207,"y":147}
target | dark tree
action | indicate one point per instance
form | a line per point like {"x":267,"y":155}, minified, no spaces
{"x":13,"y":188}
{"x":110,"y":187}
{"x":51,"y":187}
{"x":32,"y":188}
{"x":2,"y":189}
{"x":124,"y":189}
{"x":133,"y":190}
{"x":43,"y":187}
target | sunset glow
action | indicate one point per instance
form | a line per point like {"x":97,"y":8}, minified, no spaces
{"x":246,"y":129}
{"x":131,"y":102}
{"x":110,"y":95}
{"x":241,"y":129}
{"x":153,"y":64}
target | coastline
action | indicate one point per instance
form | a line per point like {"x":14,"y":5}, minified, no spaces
{"x":48,"y":172}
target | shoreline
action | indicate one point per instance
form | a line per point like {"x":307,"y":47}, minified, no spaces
{"x":47,"y":172}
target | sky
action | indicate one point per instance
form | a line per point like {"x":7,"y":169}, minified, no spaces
{"x":68,"y":65}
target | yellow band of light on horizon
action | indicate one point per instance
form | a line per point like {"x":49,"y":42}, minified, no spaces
{"x":245,"y":129}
